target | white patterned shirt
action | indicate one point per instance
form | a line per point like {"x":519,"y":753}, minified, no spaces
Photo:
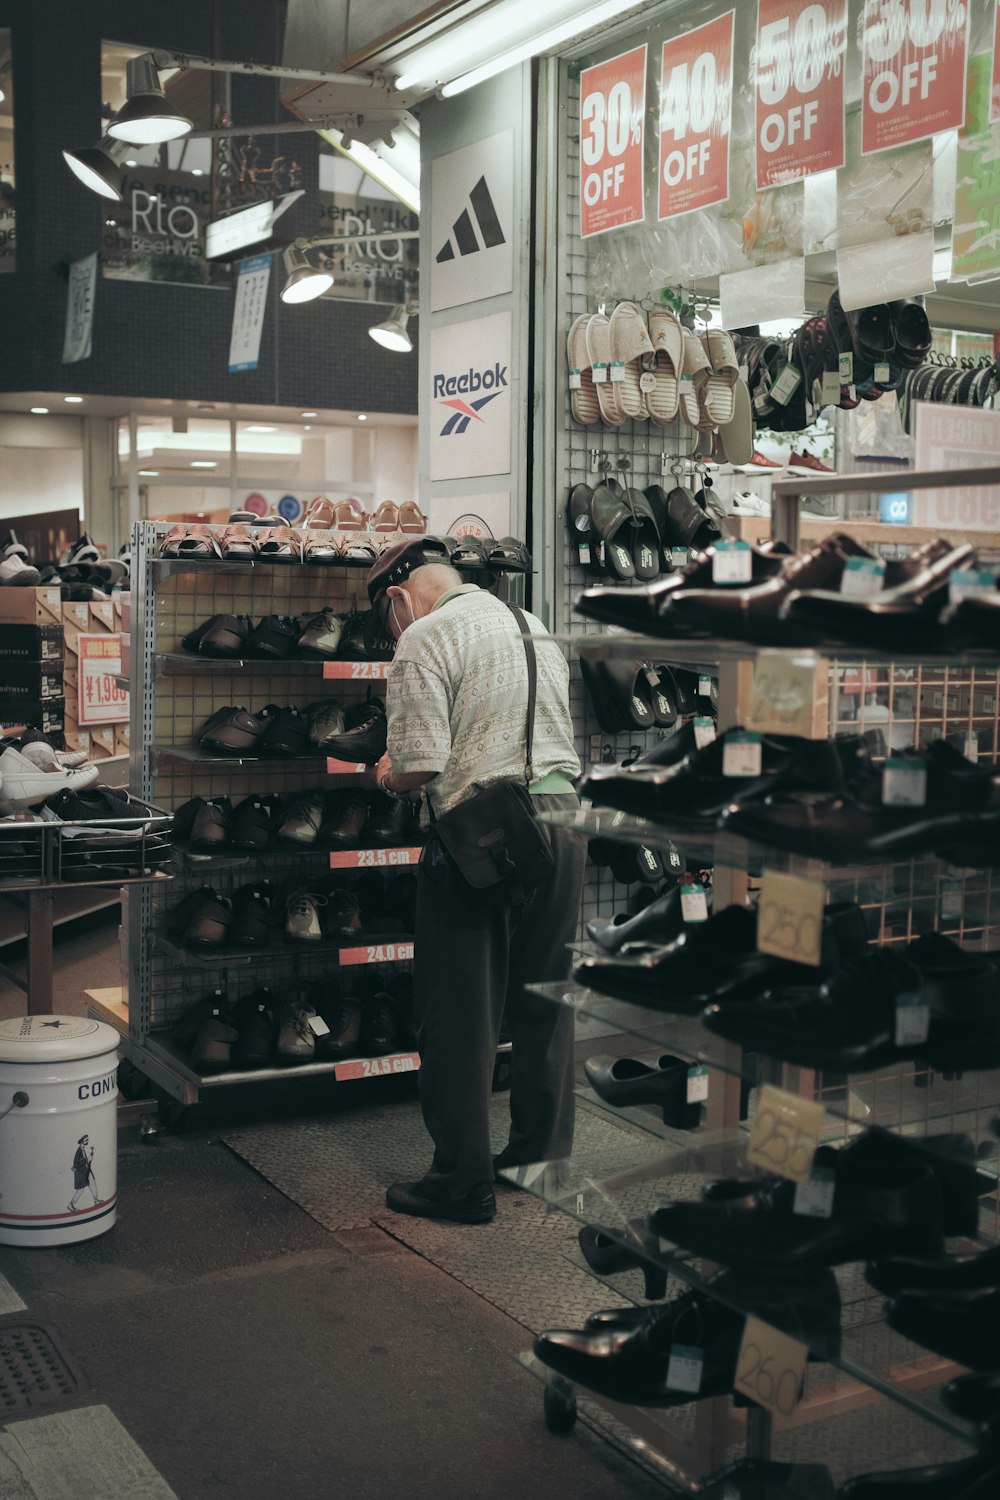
{"x":457,"y":700}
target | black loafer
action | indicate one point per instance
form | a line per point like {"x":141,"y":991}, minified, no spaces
{"x":430,"y":1200}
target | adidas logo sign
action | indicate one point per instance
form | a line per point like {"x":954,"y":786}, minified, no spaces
{"x":463,"y":234}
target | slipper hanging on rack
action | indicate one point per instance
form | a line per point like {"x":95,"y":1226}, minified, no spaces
{"x":583,"y":403}
{"x":717,"y":393}
{"x":645,"y":536}
{"x":693,"y":375}
{"x":609,"y":514}
{"x":736,"y":436}
{"x":667,"y":337}
{"x":629,"y":342}
{"x":599,"y":349}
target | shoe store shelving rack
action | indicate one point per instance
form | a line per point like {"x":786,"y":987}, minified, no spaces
{"x":173,"y":693}
{"x":914,"y":699}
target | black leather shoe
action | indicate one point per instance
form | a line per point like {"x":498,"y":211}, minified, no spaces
{"x":209,"y":923}
{"x":254,"y":822}
{"x":275,"y":636}
{"x":975,"y":1397}
{"x":976,"y":1478}
{"x":429,"y":1200}
{"x":234,"y":731}
{"x":254,"y":915}
{"x":223,"y":636}
{"x":640,"y":608}
{"x":364,"y":737}
{"x":964,"y":1326}
{"x":622,"y":1081}
{"x":390,"y":820}
{"x":288,"y":733}
{"x":631,"y":1247}
{"x":255,"y":1019}
{"x":659,"y":922}
{"x":205,"y":823}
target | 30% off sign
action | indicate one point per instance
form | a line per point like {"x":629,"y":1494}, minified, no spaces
{"x":612,"y":113}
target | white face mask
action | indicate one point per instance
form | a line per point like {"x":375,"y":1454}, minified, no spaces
{"x":398,"y":621}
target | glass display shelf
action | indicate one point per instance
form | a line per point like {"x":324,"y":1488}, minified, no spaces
{"x":866,"y":1356}
{"x":706,"y":655}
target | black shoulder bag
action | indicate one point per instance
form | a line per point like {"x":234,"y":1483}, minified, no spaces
{"x":492,"y":839}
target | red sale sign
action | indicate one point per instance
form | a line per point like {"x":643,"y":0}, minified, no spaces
{"x":696,"y":110}
{"x":995,"y":83}
{"x":913,"y":70}
{"x":612,"y":112}
{"x":801,"y":47}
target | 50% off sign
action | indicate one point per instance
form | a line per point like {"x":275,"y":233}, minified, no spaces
{"x":914,"y":63}
{"x":612,"y":113}
{"x":801,"y":46}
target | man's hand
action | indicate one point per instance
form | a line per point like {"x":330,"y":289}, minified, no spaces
{"x":383,"y":768}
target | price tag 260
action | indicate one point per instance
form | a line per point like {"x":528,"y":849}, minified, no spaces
{"x":770,"y":1367}
{"x":785,"y":1133}
{"x":790,"y":918}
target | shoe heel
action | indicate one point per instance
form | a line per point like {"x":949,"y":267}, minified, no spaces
{"x":655,"y":1288}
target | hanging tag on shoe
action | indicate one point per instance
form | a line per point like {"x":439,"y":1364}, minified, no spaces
{"x":732,"y":563}
{"x":790,"y":918}
{"x":845,"y":368}
{"x":583,"y":548}
{"x":600,"y":374}
{"x":742,"y":754}
{"x":829,"y":390}
{"x":704,"y":731}
{"x":785,"y":1133}
{"x":863,"y":577}
{"x":684,"y":1369}
{"x":318,"y":1026}
{"x":647,"y":382}
{"x":904,"y":782}
{"x":882,"y":374}
{"x":913,"y":1020}
{"x":786,"y":385}
{"x":707,"y":688}
{"x":679,"y":557}
{"x":966,"y":581}
{"x":697,"y":1084}
{"x":575,"y":380}
{"x":617,"y":371}
{"x":814,"y":1199}
{"x":694,"y":904}
{"x":770,"y":1367}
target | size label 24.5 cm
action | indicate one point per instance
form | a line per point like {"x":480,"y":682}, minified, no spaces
{"x":377,"y":1067}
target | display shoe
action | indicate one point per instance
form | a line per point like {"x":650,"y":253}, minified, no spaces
{"x":179,"y":915}
{"x":345,"y":814}
{"x":621,"y":693}
{"x":631,"y":1364}
{"x":254,"y":821}
{"x":236,"y":731}
{"x":205,"y":823}
{"x":343,"y":916}
{"x":33,"y":741}
{"x":856,"y":1019}
{"x":390,"y":820}
{"x":946,"y":1273}
{"x":185,"y":1028}
{"x":975,"y":1397}
{"x":632,"y":1246}
{"x":342,"y":1014}
{"x":964,"y":1326}
{"x":663,"y":1081}
{"x":428,"y":1199}
{"x":212,"y":1048}
{"x":275,"y":636}
{"x":660,"y":922}
{"x":255,"y":1020}
{"x":362,"y":637}
{"x":209,"y":921}
{"x":379,"y":1028}
{"x":26,"y":784}
{"x":912,"y":332}
{"x":83,"y":550}
{"x":12,"y":546}
{"x":254,"y":908}
{"x":296,"y":1040}
{"x":364,"y":737}
{"x":699,"y":790}
{"x":288,"y":733}
{"x":680,"y":521}
{"x":961,"y":806}
{"x":976,"y":1478}
{"x":15,"y":572}
{"x":877,"y":1210}
{"x":304,"y":920}
{"x":906,"y":617}
{"x":646,"y":609}
{"x":326,"y":721}
{"x":974,"y":617}
{"x":320,"y":637}
{"x":299,"y":820}
{"x":222,"y":636}
{"x":631,"y":862}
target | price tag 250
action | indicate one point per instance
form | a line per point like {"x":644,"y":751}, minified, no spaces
{"x":770,"y":1367}
{"x":785,"y":1133}
{"x":790,"y":918}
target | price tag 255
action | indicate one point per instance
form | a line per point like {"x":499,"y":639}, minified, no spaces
{"x":785,"y":1133}
{"x":790,"y":918}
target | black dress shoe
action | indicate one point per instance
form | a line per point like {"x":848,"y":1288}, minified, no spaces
{"x":254,"y":915}
{"x":234,"y":731}
{"x":659,"y":922}
{"x":622,"y":1081}
{"x":254,"y":822}
{"x":630,"y":1363}
{"x":275,"y":636}
{"x":975,"y":1397}
{"x":964,"y":1326}
{"x":364,"y":737}
{"x":205,"y":823}
{"x":849,"y":1021}
{"x":288,"y":733}
{"x":976,"y":1478}
{"x":390,"y":820}
{"x":429,"y":1200}
{"x":255,"y":1018}
{"x":222,"y":636}
{"x":631,"y":1247}
{"x":640,"y":608}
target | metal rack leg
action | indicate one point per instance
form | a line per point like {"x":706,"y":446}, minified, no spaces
{"x":38,"y":927}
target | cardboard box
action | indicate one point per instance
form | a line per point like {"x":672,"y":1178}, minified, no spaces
{"x":30,"y":681}
{"x":95,"y":618}
{"x":122,"y":739}
{"x":22,"y":606}
{"x":102,"y":743}
{"x":30,"y":643}
{"x":48,"y":715}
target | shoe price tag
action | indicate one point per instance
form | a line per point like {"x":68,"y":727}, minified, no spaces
{"x":785,"y":1133}
{"x":863,"y":577}
{"x":697,"y":1084}
{"x":814,"y":1199}
{"x":600,"y":374}
{"x":790,"y":917}
{"x":882,"y":374}
{"x":694,"y":904}
{"x":845,"y":367}
{"x":704,"y":731}
{"x":732,"y":563}
{"x":574,"y":380}
{"x":770,"y":1367}
{"x":583,"y":549}
{"x":318,"y":1026}
{"x":829,"y":390}
{"x":707,"y":688}
{"x":679,"y":557}
{"x":742,"y":754}
{"x":600,"y":553}
{"x":686,"y":384}
{"x":684,"y":1369}
{"x":647,"y":382}
{"x":952,"y":902}
{"x":852,"y":392}
{"x":904,"y":782}
{"x":786,"y":385}
{"x":966,"y":581}
{"x":617,"y":371}
{"x":913,"y":1020}
{"x":789,"y":694}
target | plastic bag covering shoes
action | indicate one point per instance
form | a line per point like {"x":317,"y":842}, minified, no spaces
{"x":296,"y":1041}
{"x":364,"y":737}
{"x":25,"y":783}
{"x":299,"y":823}
{"x":320,"y":639}
{"x":303,"y":923}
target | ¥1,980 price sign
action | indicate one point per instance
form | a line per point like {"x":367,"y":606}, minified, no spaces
{"x":914,"y":55}
{"x":612,"y":114}
{"x":801,"y":49}
{"x":696,"y":109}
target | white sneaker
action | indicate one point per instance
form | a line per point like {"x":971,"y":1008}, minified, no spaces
{"x":14,"y":570}
{"x":22,"y":781}
{"x":749,"y":505}
{"x":46,"y":759}
{"x":303,"y":922}
{"x":82,"y":551}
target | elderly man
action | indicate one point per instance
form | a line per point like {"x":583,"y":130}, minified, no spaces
{"x":456,"y":704}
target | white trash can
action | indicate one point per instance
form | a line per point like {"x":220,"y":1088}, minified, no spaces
{"x":58,"y":1129}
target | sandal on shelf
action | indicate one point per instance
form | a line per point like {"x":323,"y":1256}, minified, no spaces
{"x":238,"y":540}
{"x":629,"y":342}
{"x":358,"y":549}
{"x":583,"y":403}
{"x":190,"y":541}
{"x":470,"y":553}
{"x":348,"y":515}
{"x":510,"y":555}
{"x":386,"y":517}
{"x":667,"y":337}
{"x":279,"y":544}
{"x":320,"y":515}
{"x":412,"y":519}
{"x":609,"y":513}
{"x":599,"y":348}
{"x":320,"y":547}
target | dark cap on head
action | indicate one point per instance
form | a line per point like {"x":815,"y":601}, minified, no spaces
{"x":397,"y":563}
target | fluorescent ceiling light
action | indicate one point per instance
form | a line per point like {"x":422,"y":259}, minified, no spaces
{"x":204,"y":463}
{"x":146,"y":119}
{"x":305,"y":282}
{"x":149,"y":473}
{"x":40,"y":411}
{"x":392,"y":333}
{"x":72,"y":400}
{"x":396,"y":167}
{"x":97,"y":166}
{"x":545,"y":41}
{"x":257,"y":427}
{"x":310,"y":414}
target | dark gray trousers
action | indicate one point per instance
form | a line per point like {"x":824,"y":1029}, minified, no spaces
{"x":471,"y":967}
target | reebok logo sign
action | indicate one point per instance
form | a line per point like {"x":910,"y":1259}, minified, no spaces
{"x":482,"y":214}
{"x":450,"y":390}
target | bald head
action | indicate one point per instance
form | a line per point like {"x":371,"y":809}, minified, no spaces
{"x":426,"y":585}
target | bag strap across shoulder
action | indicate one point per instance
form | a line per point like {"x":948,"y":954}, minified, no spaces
{"x":532,"y":664}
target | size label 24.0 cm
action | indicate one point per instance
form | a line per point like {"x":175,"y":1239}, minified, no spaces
{"x":375,"y":953}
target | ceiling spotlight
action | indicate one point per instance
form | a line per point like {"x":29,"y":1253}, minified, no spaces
{"x":149,"y":473}
{"x":97,"y":166}
{"x":362,"y":416}
{"x":304,"y":282}
{"x":310,"y":414}
{"x":146,"y":119}
{"x":392,"y":333}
